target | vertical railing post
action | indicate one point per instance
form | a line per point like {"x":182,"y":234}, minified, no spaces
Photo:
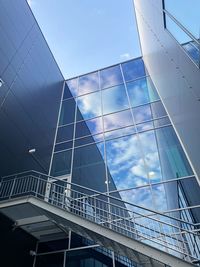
{"x":37,"y":187}
{"x":12,"y":188}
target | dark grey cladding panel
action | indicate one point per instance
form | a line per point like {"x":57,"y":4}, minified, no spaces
{"x":30,"y":96}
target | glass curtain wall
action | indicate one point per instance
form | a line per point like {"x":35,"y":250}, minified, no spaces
{"x":114,"y":134}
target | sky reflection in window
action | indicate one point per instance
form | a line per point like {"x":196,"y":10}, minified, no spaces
{"x":90,"y":105}
{"x":114,"y":99}
{"x":73,"y":86}
{"x":110,"y":77}
{"x":133,"y":69}
{"x":117,"y":120}
{"x":88,"y":83}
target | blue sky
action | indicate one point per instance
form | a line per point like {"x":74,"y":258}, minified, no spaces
{"x":88,"y":35}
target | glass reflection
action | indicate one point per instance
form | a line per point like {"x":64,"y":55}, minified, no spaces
{"x":63,"y":146}
{"x":67,"y":112}
{"x":117,"y":120}
{"x":88,"y":140}
{"x":173,"y":160}
{"x":158,"y":109}
{"x":141,"y":127}
{"x":114,"y":99}
{"x":133,"y":69}
{"x":95,"y":125}
{"x":88,"y":83}
{"x":162,"y":122}
{"x":61,"y":163}
{"x":110,"y":77}
{"x":141,"y":92}
{"x":125,"y":162}
{"x":151,"y":159}
{"x":120,"y":132}
{"x":130,"y":148}
{"x":90,"y":105}
{"x":89,"y":166}
{"x":142,"y":113}
{"x":73,"y":86}
{"x":67,"y":93}
{"x":159,"y":197}
{"x":89,"y":127}
{"x":65,"y":133}
{"x":141,"y":196}
{"x":193,"y":51}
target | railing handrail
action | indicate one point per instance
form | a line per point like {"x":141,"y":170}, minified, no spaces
{"x":121,"y":217}
{"x":105,"y":194}
{"x":117,"y":206}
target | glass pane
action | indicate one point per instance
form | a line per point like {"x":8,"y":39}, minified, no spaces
{"x":67,"y":93}
{"x":145,"y":126}
{"x":110,"y":77}
{"x":114,"y":99}
{"x":159,"y":196}
{"x":67,"y":112}
{"x":73,"y":86}
{"x":158,"y":109}
{"x":95,"y":125}
{"x":173,"y":160}
{"x":141,"y":92}
{"x":63,"y":146}
{"x":117,"y":120}
{"x":89,"y":127}
{"x":88,"y":140}
{"x":89,"y":167}
{"x":88,"y":83}
{"x":120,"y":132}
{"x":150,"y":155}
{"x":193,"y":51}
{"x":90,"y":105}
{"x":125,"y":162}
{"x":88,"y":258}
{"x":187,"y":13}
{"x":61,"y":163}
{"x":133,"y":69}
{"x":65,"y":133}
{"x":139,"y":196}
{"x":162,"y":122}
{"x":142,"y":113}
{"x":138,"y":92}
{"x":82,"y":129}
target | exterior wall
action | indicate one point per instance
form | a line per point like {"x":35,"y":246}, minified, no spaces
{"x":175,"y":76}
{"x":31,"y":93}
{"x":29,"y":103}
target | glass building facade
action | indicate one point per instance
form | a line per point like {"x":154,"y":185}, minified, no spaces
{"x":113,"y":129}
{"x":114,"y":135}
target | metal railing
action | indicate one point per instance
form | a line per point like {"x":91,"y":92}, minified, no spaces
{"x":161,"y":230}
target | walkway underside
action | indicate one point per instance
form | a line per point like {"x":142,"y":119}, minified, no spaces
{"x":39,"y":218}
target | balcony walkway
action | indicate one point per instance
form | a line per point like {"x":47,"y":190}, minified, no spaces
{"x":147,"y":237}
